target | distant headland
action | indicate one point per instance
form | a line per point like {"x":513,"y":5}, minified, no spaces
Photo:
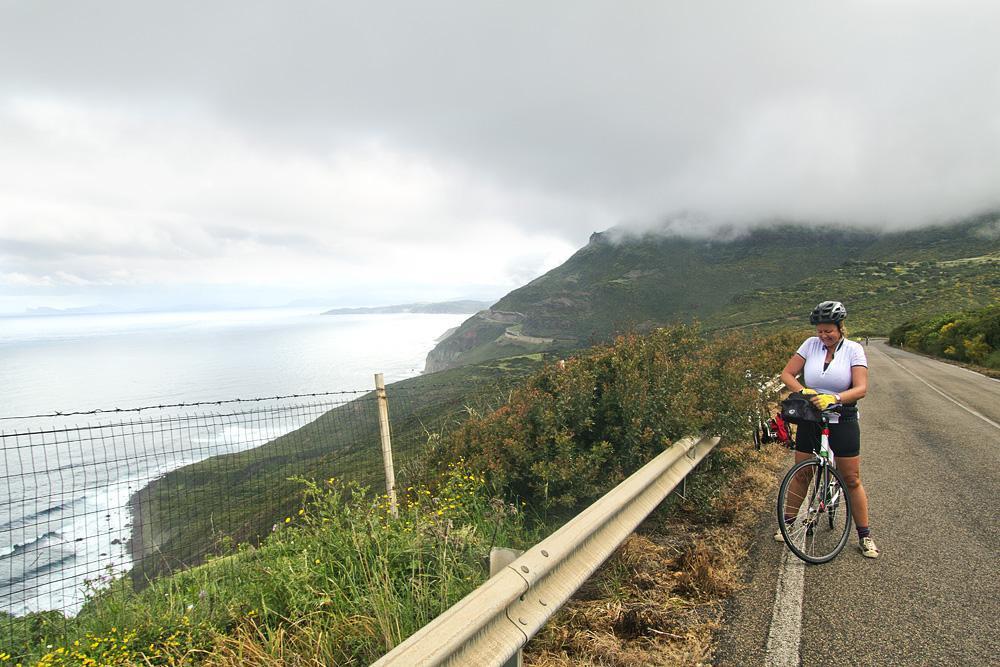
{"x":459,"y":307}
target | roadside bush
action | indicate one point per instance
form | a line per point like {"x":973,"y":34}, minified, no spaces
{"x":971,"y":336}
{"x":574,"y":431}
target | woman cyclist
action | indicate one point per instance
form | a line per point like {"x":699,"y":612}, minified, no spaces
{"x":835,"y":371}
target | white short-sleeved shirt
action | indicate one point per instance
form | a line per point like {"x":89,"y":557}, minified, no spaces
{"x":835,"y":378}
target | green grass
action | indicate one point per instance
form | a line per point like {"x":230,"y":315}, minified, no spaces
{"x":341,"y":581}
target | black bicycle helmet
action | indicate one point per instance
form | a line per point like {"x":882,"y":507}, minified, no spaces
{"x":828,"y":312}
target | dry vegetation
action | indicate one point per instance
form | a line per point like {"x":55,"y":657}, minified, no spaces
{"x":658,"y":600}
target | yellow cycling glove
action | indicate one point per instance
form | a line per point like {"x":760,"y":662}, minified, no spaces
{"x":826,"y":400}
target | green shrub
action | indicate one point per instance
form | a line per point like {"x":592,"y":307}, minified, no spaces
{"x":575,"y":431}
{"x":971,"y":336}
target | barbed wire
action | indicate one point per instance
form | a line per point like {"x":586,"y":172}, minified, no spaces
{"x":45,"y":429}
{"x":111,"y":411}
{"x":98,"y":411}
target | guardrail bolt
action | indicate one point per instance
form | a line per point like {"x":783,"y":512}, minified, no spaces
{"x":524,"y":568}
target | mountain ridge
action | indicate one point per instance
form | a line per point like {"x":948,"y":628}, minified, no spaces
{"x":766,"y":276}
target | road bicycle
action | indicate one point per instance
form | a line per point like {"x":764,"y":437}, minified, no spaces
{"x":821,"y":510}
{"x":762,"y":425}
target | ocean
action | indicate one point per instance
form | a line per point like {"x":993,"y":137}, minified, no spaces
{"x":63,"y":504}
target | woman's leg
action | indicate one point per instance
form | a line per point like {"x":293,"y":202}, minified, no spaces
{"x":797,"y":488}
{"x":850,"y":470}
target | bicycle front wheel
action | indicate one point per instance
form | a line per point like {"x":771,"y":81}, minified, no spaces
{"x":814,"y":495}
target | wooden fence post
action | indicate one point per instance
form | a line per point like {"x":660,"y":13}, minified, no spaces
{"x":383,"y":428}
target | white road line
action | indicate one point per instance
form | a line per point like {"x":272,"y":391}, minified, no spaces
{"x":964,"y":407}
{"x":980,"y":375}
{"x":955,"y":366}
{"x":785,"y":634}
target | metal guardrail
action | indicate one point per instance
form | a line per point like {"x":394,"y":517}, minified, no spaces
{"x":490,"y":624}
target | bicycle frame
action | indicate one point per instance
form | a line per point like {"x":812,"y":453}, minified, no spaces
{"x":823,"y":481}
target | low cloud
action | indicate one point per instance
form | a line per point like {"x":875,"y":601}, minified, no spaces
{"x":457,"y":143}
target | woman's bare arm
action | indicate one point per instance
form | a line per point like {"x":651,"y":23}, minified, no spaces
{"x":859,"y":385}
{"x":791,"y":370}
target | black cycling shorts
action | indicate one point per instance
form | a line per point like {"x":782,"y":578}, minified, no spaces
{"x":845,"y":438}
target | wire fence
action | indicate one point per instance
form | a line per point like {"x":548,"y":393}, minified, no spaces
{"x":121,"y":501}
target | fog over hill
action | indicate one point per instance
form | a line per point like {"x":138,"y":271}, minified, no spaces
{"x":767,"y":276}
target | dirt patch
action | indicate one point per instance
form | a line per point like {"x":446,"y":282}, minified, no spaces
{"x":658,"y":599}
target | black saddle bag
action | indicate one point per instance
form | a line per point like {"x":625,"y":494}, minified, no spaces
{"x":796,"y":409}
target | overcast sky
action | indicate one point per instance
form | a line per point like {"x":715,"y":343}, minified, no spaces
{"x":368,"y":152}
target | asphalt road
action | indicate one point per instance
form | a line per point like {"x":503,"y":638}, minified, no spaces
{"x":932,"y":472}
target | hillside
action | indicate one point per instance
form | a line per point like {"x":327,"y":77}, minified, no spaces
{"x":880,"y":295}
{"x":769,"y":276}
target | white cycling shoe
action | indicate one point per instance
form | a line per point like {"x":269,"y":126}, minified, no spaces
{"x":868,"y":548}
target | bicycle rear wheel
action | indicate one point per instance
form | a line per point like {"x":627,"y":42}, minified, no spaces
{"x":822,"y":512}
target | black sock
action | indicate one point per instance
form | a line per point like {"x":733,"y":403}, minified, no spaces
{"x":863,"y":532}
